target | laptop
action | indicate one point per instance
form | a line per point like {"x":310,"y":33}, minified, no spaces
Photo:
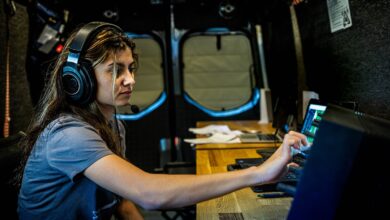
{"x":261,"y":137}
{"x":314,"y":111}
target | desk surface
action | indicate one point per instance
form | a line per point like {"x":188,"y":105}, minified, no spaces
{"x":241,"y":204}
{"x":243,"y":125}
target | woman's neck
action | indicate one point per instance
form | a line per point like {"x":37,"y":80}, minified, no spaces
{"x":107,"y":110}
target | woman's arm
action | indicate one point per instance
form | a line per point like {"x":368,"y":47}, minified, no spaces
{"x":153,"y":191}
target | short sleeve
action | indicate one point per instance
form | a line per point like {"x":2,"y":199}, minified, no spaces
{"x":73,"y":145}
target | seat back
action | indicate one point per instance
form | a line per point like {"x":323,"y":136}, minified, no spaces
{"x":9,"y":160}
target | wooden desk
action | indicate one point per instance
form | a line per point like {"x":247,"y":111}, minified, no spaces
{"x":241,"y":204}
{"x":243,"y":125}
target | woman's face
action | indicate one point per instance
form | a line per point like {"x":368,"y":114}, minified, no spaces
{"x":124,"y":82}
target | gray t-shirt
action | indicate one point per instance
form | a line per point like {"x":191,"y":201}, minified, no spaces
{"x":53,"y":185}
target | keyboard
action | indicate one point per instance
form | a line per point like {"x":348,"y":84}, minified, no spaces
{"x":266,"y":152}
{"x":291,"y":178}
{"x":249,"y":162}
{"x":267,"y":137}
{"x":299,"y":159}
{"x":254,"y":138}
{"x":243,"y":163}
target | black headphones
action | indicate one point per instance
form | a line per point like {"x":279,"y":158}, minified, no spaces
{"x":78,"y":77}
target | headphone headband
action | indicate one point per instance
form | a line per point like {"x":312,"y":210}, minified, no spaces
{"x":84,"y":35}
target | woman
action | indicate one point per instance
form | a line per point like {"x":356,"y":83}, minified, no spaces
{"x":74,"y":166}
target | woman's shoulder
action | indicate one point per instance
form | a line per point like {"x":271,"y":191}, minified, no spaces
{"x":65,"y":118}
{"x":67,"y":121}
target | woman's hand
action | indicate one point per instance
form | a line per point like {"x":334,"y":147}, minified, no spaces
{"x":296,"y":2}
{"x":276,"y":166}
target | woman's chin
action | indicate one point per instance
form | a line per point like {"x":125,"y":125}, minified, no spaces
{"x":121,"y":103}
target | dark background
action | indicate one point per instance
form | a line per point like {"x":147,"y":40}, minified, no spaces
{"x":350,"y":65}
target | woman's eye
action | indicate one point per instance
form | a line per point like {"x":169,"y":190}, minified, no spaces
{"x":120,"y":71}
{"x":133,"y":67}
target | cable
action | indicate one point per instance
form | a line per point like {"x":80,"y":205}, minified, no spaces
{"x":7,"y":117}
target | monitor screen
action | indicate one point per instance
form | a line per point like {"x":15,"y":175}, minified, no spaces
{"x":345,"y":175}
{"x":313,"y":116}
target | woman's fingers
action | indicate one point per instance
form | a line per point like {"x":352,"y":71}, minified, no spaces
{"x":292,"y":164}
{"x":296,"y":139}
{"x":301,"y":136}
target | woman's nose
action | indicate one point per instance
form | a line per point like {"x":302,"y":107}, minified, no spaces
{"x":129,"y":79}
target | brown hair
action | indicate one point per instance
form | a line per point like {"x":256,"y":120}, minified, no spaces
{"x":53,"y":102}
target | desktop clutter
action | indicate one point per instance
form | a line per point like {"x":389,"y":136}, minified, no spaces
{"x":287,"y":185}
{"x":342,"y":176}
{"x":223,"y":134}
{"x":214,"y":134}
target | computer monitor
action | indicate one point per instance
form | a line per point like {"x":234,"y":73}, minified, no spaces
{"x":345,"y":175}
{"x":313,"y":116}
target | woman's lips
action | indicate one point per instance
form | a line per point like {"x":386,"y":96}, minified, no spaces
{"x":125,"y":93}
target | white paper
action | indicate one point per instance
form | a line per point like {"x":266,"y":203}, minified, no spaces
{"x":339,"y":15}
{"x":215,"y":138}
{"x":211,"y":129}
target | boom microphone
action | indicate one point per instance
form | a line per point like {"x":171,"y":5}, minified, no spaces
{"x":134,"y":109}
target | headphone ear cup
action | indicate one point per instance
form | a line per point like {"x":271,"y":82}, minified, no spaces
{"x":89,"y":86}
{"x":79,"y":82}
